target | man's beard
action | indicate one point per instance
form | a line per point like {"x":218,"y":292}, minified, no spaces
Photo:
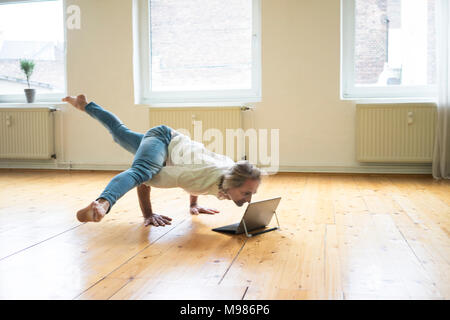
{"x":239,"y":203}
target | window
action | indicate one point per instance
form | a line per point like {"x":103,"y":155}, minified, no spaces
{"x":198,"y":52}
{"x":388,"y":49}
{"x":32,"y":31}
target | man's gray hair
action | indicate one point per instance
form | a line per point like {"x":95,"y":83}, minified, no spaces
{"x":238,"y":174}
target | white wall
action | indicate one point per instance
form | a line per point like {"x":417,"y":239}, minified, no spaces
{"x":99,"y":64}
{"x":301,"y":62}
{"x":300,"y":67}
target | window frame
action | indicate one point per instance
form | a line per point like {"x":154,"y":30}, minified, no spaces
{"x":40,"y":97}
{"x":142,"y":68}
{"x":348,"y":90}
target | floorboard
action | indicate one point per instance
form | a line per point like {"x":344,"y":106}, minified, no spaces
{"x":342,"y":236}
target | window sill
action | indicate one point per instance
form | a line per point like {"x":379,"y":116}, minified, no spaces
{"x":40,"y":99}
{"x":390,"y":100}
{"x":188,"y":105}
{"x":29,"y":105}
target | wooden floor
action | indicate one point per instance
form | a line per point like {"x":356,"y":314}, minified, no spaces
{"x":342,"y":237}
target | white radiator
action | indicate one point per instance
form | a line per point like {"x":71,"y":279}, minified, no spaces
{"x":395,"y":132}
{"x":27,"y":133}
{"x":188,"y":118}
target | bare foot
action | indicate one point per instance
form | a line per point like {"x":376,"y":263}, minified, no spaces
{"x":79,"y":102}
{"x":94,"y":212}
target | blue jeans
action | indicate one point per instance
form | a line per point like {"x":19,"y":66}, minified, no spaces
{"x":150,"y":152}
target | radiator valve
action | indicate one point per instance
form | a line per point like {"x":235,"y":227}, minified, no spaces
{"x":410,"y":117}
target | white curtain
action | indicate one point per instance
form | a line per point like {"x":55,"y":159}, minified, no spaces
{"x":441,"y":156}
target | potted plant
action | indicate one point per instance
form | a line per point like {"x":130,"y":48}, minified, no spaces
{"x":27,"y":67}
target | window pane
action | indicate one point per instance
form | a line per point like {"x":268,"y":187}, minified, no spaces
{"x":201,"y":45}
{"x":395,"y":43}
{"x":32,"y":31}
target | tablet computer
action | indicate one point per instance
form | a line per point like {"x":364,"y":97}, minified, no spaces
{"x":257,"y":215}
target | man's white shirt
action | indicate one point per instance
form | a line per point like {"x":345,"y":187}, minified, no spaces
{"x":192,"y":167}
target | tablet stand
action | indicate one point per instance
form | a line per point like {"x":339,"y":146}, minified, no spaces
{"x":249,"y":235}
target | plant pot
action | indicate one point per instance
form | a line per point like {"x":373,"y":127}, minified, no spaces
{"x":30,"y":94}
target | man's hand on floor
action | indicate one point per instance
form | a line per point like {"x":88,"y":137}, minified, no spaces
{"x":196,"y":209}
{"x":157,"y":220}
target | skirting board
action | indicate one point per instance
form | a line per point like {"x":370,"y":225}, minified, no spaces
{"x":381,"y":169}
{"x":423,"y":169}
{"x":22,"y":164}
